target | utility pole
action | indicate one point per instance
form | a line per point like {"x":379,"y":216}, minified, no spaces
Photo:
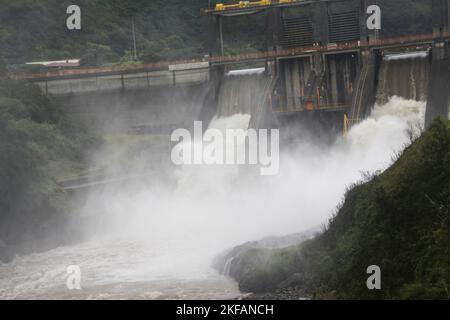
{"x":134,"y":40}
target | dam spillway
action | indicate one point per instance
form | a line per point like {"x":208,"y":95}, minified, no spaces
{"x":404,"y":75}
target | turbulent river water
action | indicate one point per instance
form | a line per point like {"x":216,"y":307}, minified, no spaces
{"x":167,"y":240}
{"x":115,"y":269}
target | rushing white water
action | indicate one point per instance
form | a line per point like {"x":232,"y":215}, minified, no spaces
{"x":160,"y":243}
{"x":246,"y":72}
{"x":410,"y":55}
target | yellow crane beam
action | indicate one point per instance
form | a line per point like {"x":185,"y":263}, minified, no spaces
{"x":249,"y":4}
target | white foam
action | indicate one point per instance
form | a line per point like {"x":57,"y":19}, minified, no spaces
{"x":246,"y":72}
{"x":410,"y":55}
{"x":237,"y":121}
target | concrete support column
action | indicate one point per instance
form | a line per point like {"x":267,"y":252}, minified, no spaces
{"x":319,"y":13}
{"x":365,"y":34}
{"x":318,"y":63}
{"x":314,"y":81}
{"x":333,"y":76}
{"x":438,"y":87}
{"x":209,"y":108}
{"x":440,"y":16}
{"x":296,"y":83}
{"x":274,"y":28}
{"x":214,"y":42}
{"x":288,"y":84}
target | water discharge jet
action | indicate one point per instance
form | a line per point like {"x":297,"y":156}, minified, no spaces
{"x":227,"y":147}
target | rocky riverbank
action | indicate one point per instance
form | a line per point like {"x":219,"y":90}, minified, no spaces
{"x":398,"y":220}
{"x":248,"y":264}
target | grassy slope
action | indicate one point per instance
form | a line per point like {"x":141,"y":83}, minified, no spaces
{"x":399,"y":220}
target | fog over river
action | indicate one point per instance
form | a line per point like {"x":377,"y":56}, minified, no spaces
{"x":160,"y":242}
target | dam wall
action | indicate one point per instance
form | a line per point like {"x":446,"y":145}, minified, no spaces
{"x":439,"y":84}
{"x":181,"y":74}
{"x":156,"y":110}
{"x":246,"y":92}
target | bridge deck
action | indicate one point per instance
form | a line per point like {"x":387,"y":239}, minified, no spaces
{"x":399,"y":42}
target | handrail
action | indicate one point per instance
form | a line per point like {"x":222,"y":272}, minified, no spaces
{"x":323,"y":107}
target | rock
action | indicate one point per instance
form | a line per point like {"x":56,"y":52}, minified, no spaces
{"x":265,"y":265}
{"x":295,"y":280}
{"x":223,"y":261}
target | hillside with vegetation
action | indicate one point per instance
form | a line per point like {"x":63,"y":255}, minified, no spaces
{"x":398,"y":220}
{"x":165,"y":30}
{"x":38,"y":144}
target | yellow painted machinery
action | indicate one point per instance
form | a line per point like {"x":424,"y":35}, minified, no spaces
{"x":348,"y":123}
{"x":250,"y":4}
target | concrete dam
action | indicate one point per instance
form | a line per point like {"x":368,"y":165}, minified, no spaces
{"x":324,"y":70}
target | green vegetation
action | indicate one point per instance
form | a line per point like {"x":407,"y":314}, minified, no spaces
{"x":398,"y":220}
{"x":38,"y":144}
{"x":171,"y":29}
{"x":165,"y":30}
